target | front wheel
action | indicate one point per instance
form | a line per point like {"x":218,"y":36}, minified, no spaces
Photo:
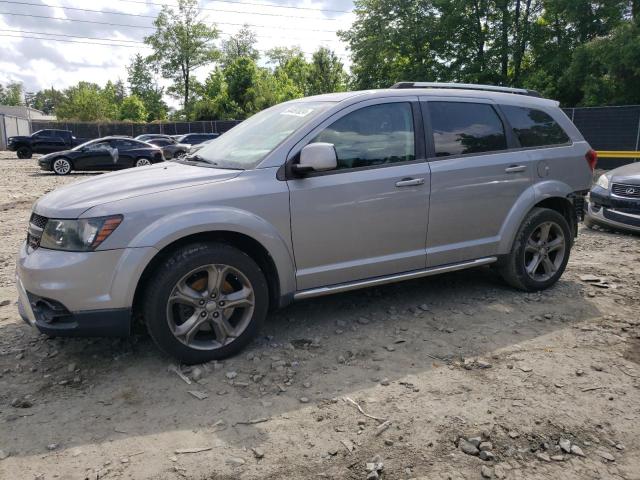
{"x":205,"y":302}
{"x":540,"y":251}
{"x":24,"y":153}
{"x":61,"y":166}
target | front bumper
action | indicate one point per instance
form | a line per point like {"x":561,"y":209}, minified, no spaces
{"x":79,"y":293}
{"x":612,"y":211}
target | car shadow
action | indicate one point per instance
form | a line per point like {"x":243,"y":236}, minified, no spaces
{"x":320,"y":349}
{"x":72,"y":174}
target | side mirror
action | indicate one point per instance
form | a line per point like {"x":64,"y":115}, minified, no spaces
{"x":316,"y":157}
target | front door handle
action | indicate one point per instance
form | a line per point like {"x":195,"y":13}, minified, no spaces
{"x":515,"y":168}
{"x":410,"y":182}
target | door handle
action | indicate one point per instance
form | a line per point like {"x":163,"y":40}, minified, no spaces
{"x":410,"y":182}
{"x":515,"y":168}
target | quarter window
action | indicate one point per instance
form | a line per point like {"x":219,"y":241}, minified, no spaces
{"x":534,"y":128}
{"x":375,"y":135}
{"x":460,"y":128}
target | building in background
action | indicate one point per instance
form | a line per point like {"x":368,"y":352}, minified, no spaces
{"x":17,"y":121}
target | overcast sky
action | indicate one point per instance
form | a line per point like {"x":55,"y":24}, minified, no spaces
{"x":43,"y":63}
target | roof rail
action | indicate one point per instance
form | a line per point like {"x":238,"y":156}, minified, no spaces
{"x":467,"y":86}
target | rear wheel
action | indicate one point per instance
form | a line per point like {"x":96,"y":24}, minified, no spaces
{"x":205,"y":302}
{"x":540,"y":251}
{"x":142,"y":162}
{"x":24,"y":152}
{"x":61,"y":166}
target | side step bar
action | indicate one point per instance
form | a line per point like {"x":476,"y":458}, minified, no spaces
{"x":345,"y":287}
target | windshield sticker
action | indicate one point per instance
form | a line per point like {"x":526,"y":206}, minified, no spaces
{"x":297,"y":111}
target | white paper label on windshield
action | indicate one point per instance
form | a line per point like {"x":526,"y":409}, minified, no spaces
{"x":297,"y":111}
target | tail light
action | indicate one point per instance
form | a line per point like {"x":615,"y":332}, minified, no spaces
{"x":592,"y":158}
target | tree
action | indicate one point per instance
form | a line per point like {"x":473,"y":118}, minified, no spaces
{"x":11,"y":94}
{"x":326,"y":73}
{"x":142,"y":84}
{"x":133,"y":109}
{"x":46,"y":100}
{"x":182,"y":43}
{"x":242,"y":44}
{"x":87,"y":102}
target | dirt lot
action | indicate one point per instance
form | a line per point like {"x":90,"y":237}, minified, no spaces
{"x":433,"y":360}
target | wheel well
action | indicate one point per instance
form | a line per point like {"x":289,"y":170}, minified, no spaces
{"x":248,"y":245}
{"x":564,"y":207}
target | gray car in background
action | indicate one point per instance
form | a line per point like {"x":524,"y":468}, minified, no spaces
{"x":310,"y":197}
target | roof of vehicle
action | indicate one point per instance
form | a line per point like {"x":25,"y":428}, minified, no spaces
{"x":441,"y":90}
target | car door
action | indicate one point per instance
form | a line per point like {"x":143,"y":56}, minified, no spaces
{"x":367,"y":218}
{"x":41,"y":142}
{"x":477,"y":174}
{"x":95,"y":156}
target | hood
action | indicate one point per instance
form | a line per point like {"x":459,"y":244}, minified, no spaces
{"x":18,"y":138}
{"x":629,"y":174}
{"x":51,"y":156}
{"x":72,"y":200}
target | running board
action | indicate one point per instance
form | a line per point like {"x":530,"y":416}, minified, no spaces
{"x":372,"y":282}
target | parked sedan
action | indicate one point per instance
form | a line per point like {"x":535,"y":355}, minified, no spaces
{"x":146,"y":137}
{"x":109,"y":153}
{"x":177,"y":147}
{"x":614,"y":201}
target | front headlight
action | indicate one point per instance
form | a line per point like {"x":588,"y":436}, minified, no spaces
{"x":81,"y":235}
{"x":603,"y":182}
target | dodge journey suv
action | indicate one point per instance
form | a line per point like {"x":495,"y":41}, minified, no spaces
{"x":310,"y":197}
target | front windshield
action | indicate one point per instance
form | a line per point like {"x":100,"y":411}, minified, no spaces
{"x":245,"y":145}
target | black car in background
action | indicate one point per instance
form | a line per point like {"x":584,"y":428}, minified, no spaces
{"x":109,"y":153}
{"x":42,"y":141}
{"x":177,"y":147}
{"x":614,"y":201}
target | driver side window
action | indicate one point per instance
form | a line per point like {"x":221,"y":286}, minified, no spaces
{"x":374,"y":135}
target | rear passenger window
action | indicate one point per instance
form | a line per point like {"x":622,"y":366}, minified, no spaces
{"x":460,"y":128}
{"x":374,"y":135}
{"x":534,"y":128}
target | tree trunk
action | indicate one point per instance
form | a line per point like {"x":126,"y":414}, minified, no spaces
{"x":504,"y":42}
{"x":521,"y":46}
{"x":480,"y":36}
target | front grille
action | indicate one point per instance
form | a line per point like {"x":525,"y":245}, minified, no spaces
{"x":38,"y":220}
{"x":624,"y":190}
{"x":36,"y":226}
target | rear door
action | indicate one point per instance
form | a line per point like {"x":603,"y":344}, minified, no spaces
{"x":478,"y":172}
{"x":368,"y":217}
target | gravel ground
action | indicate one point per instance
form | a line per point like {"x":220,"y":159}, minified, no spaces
{"x":395,"y":382}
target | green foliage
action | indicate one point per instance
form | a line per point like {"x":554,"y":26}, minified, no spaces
{"x":46,"y":100}
{"x":240,"y":45}
{"x":578,"y":51}
{"x":142,"y":84}
{"x":133,"y":109}
{"x":182,"y":43}
{"x":11,"y":94}
{"x":325,"y":73}
{"x":88,"y":102}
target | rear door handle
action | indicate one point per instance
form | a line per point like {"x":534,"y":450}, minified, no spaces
{"x":515,"y":168}
{"x":410,"y":182}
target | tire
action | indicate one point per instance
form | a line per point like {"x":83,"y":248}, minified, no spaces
{"x":61,"y":166}
{"x":186,"y":274}
{"x":548,"y":266}
{"x":24,"y":153}
{"x":143,"y":162}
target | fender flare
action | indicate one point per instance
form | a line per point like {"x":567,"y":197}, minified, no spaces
{"x":169,"y":229}
{"x":529,"y":199}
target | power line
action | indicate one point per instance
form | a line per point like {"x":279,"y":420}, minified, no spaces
{"x":111,"y":24}
{"x":243,"y":3}
{"x":133,"y":41}
{"x":153,"y":16}
{"x":49,"y":39}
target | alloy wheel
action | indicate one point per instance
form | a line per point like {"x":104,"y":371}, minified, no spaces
{"x":210,"y":306}
{"x":61,"y":166}
{"x":544,"y":251}
{"x":141,"y":162}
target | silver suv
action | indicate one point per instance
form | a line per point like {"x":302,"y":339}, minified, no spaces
{"x":310,"y":197}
